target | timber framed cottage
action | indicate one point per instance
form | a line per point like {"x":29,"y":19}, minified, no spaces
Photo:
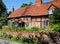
{"x":36,"y":15}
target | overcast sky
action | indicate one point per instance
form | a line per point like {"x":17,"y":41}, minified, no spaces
{"x":17,"y":3}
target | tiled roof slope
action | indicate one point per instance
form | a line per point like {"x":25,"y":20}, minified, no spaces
{"x":34,"y":10}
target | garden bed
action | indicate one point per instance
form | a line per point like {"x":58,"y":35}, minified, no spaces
{"x":31,"y":37}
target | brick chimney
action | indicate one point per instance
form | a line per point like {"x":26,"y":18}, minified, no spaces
{"x":13,"y":9}
{"x":38,"y":2}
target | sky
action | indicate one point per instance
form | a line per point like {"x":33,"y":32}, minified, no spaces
{"x":17,"y":3}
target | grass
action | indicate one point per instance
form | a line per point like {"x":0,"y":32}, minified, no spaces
{"x":10,"y":40}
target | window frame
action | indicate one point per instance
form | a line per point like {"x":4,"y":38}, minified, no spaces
{"x":50,"y":11}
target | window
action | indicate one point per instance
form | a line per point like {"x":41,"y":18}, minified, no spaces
{"x":50,"y":11}
{"x":25,"y":18}
{"x":46,"y":22}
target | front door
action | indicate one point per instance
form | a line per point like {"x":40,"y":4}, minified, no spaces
{"x":21,"y":24}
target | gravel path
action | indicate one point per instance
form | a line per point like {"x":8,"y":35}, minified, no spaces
{"x":7,"y":42}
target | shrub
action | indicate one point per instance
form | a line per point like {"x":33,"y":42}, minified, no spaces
{"x":15,"y":38}
{"x":35,"y":29}
{"x":56,"y":27}
{"x":23,"y":28}
{"x":17,"y":29}
{"x":6,"y":28}
{"x":20,"y":29}
{"x":32,"y":40}
{"x":28,"y":40}
{"x":9,"y":36}
{"x":0,"y":26}
{"x":1,"y":34}
{"x":28,"y":28}
{"x":4,"y":35}
{"x":32,"y":29}
{"x":47,"y":31}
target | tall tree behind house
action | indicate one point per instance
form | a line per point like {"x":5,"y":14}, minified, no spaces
{"x":2,"y":7}
{"x":3,"y":14}
{"x":24,"y":4}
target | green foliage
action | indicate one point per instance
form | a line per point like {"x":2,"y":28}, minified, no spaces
{"x":0,"y":26}
{"x":31,"y":40}
{"x":9,"y":13}
{"x":23,"y":28}
{"x":4,"y":35}
{"x":15,"y":38}
{"x":2,"y":7}
{"x":3,"y":20}
{"x":35,"y":29}
{"x":28,"y":40}
{"x":3,"y":14}
{"x":32,"y":29}
{"x":47,"y":31}
{"x":24,"y":4}
{"x":55,"y":17}
{"x":30,"y":3}
{"x":56,"y":27}
{"x":7,"y":28}
{"x":1,"y":34}
{"x":40,"y":42}
{"x":28,"y":28}
{"x":18,"y":29}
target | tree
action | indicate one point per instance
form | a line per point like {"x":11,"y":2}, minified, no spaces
{"x":2,"y":7}
{"x":55,"y":17}
{"x":30,"y":3}
{"x":3,"y":14}
{"x":24,"y":4}
{"x":9,"y":13}
{"x":3,"y":20}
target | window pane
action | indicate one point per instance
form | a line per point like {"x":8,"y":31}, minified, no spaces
{"x":50,"y":11}
{"x":46,"y":22}
{"x":25,"y":18}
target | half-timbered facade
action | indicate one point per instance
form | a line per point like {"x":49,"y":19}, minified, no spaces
{"x":33,"y":16}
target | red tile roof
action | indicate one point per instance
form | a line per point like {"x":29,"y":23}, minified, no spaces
{"x":34,"y":10}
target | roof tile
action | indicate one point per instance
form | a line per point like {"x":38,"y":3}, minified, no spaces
{"x":33,"y":10}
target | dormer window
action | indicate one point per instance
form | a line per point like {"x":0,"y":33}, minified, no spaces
{"x":50,"y":11}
